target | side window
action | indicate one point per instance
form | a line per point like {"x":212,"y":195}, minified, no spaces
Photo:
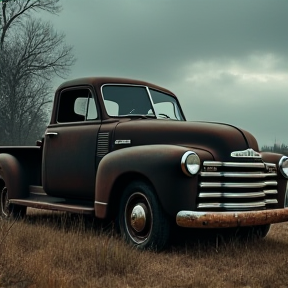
{"x":165,"y":105}
{"x":165,"y":108}
{"x":76,"y":105}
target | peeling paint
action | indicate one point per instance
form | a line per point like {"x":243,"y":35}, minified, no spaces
{"x":230,"y":219}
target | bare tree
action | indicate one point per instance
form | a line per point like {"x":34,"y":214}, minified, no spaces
{"x":31,"y":54}
{"x":15,"y":11}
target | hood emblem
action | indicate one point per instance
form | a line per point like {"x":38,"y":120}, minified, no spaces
{"x":249,"y":153}
{"x":122,"y":141}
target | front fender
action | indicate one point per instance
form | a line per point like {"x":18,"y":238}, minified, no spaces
{"x":160,"y":164}
{"x":269,"y":157}
{"x":13,"y":175}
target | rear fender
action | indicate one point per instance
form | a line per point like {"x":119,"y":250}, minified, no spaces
{"x":160,"y":165}
{"x":13,"y":176}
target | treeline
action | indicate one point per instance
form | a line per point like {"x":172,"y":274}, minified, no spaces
{"x":276,"y":148}
{"x":32,"y":54}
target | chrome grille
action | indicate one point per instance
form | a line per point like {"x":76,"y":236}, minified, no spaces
{"x":237,"y":186}
{"x":103,"y":144}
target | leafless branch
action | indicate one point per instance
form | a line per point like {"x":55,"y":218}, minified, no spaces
{"x":15,"y":11}
{"x":29,"y":58}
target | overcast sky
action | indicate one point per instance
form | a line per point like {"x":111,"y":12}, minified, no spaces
{"x":226,"y":60}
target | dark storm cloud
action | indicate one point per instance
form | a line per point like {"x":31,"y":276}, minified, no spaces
{"x":226,"y":60}
{"x":157,"y":38}
{"x":253,"y":99}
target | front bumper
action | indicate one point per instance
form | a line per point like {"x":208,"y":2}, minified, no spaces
{"x":196,"y":219}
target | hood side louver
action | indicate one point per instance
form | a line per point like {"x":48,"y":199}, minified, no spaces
{"x":103,"y":144}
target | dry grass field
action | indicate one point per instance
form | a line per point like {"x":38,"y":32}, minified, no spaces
{"x":59,"y":250}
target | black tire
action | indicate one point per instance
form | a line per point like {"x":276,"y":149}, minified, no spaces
{"x":254,"y":232}
{"x":141,"y":219}
{"x":8,"y":210}
{"x":261,"y":231}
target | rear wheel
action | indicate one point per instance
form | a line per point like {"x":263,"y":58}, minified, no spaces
{"x":142,"y":221}
{"x":9,"y":210}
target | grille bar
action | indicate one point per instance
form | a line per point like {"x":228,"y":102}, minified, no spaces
{"x":232,"y":205}
{"x":271,"y":201}
{"x":238,"y":175}
{"x":234,"y":164}
{"x":237,"y":195}
{"x":270,"y":192}
{"x":237,"y":185}
{"x":260,"y":204}
{"x":232,"y":195}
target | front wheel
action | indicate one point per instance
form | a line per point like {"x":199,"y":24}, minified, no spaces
{"x":142,"y":221}
{"x":255,"y":232}
{"x":9,"y":210}
{"x":261,"y":231}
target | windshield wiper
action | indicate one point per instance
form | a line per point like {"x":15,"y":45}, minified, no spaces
{"x":165,"y":115}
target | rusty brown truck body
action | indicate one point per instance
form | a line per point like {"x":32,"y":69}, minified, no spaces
{"x":121,"y":149}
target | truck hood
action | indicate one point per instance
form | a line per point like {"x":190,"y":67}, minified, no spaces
{"x":217,"y":138}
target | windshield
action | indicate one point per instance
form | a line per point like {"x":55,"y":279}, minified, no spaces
{"x":124,"y":100}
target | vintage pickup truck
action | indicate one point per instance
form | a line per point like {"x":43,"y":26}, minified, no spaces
{"x":121,"y":149}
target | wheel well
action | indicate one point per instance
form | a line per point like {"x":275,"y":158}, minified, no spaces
{"x":117,"y":190}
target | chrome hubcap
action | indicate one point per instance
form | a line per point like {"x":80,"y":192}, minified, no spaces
{"x":138,"y":217}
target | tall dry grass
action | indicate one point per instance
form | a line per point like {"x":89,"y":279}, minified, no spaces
{"x":60,"y":250}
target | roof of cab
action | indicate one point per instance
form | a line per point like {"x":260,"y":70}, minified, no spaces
{"x":99,"y":81}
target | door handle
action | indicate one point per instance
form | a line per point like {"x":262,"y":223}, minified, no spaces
{"x":51,"y":134}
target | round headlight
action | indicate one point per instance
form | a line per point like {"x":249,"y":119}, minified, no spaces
{"x":283,"y":166}
{"x":190,"y":163}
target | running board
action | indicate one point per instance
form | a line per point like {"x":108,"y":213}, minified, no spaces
{"x":40,"y":200}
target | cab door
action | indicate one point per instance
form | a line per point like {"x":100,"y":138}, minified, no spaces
{"x":69,"y":156}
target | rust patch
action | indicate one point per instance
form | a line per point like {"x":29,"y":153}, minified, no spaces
{"x":230,"y":219}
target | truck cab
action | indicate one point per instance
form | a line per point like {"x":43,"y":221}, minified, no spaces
{"x":121,"y":149}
